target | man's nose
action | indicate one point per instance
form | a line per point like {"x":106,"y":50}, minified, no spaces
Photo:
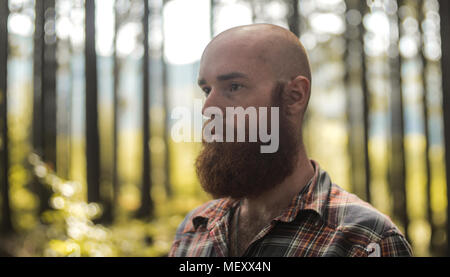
{"x":212,"y":100}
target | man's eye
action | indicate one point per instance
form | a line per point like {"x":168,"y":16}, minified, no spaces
{"x":235,"y":87}
{"x":206,"y":91}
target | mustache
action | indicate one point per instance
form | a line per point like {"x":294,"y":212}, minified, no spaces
{"x":245,"y":125}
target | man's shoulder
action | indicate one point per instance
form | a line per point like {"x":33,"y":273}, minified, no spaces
{"x":349,"y":213}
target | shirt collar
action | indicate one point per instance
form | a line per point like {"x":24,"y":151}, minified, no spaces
{"x":313,"y":197}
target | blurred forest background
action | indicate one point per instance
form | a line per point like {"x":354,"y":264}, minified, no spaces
{"x":87,"y":163}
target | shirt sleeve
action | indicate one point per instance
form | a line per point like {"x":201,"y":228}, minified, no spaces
{"x":395,"y":245}
{"x":174,"y":249}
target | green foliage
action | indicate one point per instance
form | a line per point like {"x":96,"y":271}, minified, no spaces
{"x":69,"y":228}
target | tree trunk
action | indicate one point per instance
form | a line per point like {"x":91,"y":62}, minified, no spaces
{"x":6,"y":225}
{"x":425,"y":121}
{"x":44,"y":87}
{"x":49,"y":84}
{"x":166,"y":138}
{"x":294,"y":18}
{"x":363,"y":10}
{"x":397,"y":159}
{"x":92,"y":134}
{"x":354,"y":53}
{"x":444,"y":12}
{"x":116,"y":70}
{"x":146,"y":209}
{"x":212,"y":4}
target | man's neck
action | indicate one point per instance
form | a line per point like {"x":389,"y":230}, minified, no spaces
{"x":272,"y":202}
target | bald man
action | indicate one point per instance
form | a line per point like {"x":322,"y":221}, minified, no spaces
{"x":272,"y":204}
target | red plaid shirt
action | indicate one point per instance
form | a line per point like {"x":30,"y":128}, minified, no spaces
{"x":322,"y":220}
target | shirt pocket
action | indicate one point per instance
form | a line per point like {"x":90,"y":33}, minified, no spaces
{"x":357,"y":251}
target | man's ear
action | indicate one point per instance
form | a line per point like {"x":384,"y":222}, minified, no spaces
{"x":297,"y":95}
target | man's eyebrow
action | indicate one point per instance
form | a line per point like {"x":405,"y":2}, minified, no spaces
{"x":232,"y":75}
{"x":225,"y":77}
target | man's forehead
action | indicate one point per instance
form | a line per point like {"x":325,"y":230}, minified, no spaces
{"x":228,"y":70}
{"x":225,"y":60}
{"x":230,"y":75}
{"x":235,"y":52}
{"x":235,"y":42}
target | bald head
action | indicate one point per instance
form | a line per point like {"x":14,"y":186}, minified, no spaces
{"x":245,"y":66}
{"x":272,"y":46}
